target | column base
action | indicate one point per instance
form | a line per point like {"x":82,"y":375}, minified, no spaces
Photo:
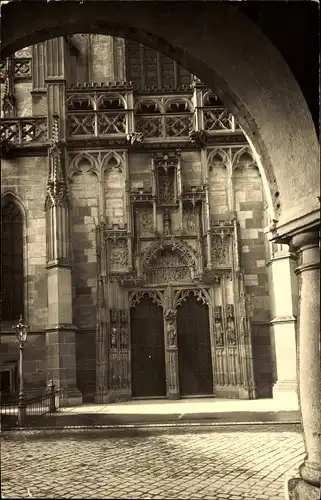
{"x":297,"y":489}
{"x":286,"y":392}
{"x":112,"y":396}
{"x":173,"y":395}
{"x":74,"y":397}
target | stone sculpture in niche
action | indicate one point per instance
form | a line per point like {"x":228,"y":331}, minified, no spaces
{"x":119,"y":252}
{"x":218,"y":327}
{"x":170,"y":318}
{"x":146,"y":220}
{"x":167,"y":221}
{"x":231,"y":334}
{"x":113,"y":337}
{"x":220,"y":249}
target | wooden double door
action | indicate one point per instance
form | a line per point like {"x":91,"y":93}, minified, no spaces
{"x":148,"y":353}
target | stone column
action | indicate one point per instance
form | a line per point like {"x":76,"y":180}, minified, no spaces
{"x":172,"y":375}
{"x":309,"y":355}
{"x":39,"y":92}
{"x":55,"y":80}
{"x":60,"y":332}
{"x":283,"y":296}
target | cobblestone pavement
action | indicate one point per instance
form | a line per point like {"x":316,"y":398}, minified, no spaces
{"x":221,"y":463}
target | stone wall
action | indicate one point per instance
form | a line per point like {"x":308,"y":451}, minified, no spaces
{"x":86,"y":363}
{"x":84,"y":196}
{"x":249,"y":205}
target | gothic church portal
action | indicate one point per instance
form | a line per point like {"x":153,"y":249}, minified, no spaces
{"x":144,"y":185}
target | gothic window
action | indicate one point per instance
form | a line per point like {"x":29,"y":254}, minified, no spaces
{"x":12,"y":282}
{"x":147,"y":67}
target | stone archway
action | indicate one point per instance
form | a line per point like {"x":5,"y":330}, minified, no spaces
{"x":230,"y":57}
{"x":250,"y":76}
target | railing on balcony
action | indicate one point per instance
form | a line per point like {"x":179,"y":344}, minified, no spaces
{"x":23,"y":131}
{"x":96,"y":114}
{"x":164,"y":117}
{"x":21,"y":68}
{"x":164,"y":126}
{"x":119,"y":110}
{"x":218,"y":119}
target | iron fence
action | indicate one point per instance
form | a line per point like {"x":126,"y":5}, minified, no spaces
{"x":36,"y":408}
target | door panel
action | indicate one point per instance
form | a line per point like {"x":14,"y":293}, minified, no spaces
{"x":194,"y":349}
{"x":147,"y":350}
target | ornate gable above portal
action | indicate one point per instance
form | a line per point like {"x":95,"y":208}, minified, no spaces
{"x":169,"y":261}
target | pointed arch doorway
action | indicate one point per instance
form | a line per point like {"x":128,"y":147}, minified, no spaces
{"x":148,"y":372}
{"x":194,"y":348}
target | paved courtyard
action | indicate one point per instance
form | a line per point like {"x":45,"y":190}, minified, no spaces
{"x":224,"y":462}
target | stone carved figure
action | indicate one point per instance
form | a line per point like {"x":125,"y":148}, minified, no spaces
{"x":135,"y":138}
{"x":146,"y":221}
{"x":123,"y":338}
{"x":170,"y":318}
{"x":119,"y":253}
{"x":189,"y":220}
{"x":218,"y":329}
{"x":113,"y":337}
{"x":220,"y":249}
{"x":231,"y":333}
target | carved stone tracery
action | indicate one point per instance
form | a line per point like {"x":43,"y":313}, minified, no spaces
{"x":156,"y":296}
{"x":168,"y":261}
{"x":145,"y":220}
{"x":119,"y":252}
{"x":189,"y":219}
{"x":220,"y":251}
{"x":200,"y":294}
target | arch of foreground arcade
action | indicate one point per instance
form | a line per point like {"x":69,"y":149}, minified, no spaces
{"x":267,"y":102}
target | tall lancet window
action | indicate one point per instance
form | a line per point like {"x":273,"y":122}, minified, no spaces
{"x":12,"y":281}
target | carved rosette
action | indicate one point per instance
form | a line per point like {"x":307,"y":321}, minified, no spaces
{"x":170,"y":321}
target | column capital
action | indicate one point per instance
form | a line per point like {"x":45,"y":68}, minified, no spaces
{"x":307,"y":239}
{"x":308,"y":245}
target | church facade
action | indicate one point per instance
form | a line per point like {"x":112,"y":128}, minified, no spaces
{"x":134,"y":232}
